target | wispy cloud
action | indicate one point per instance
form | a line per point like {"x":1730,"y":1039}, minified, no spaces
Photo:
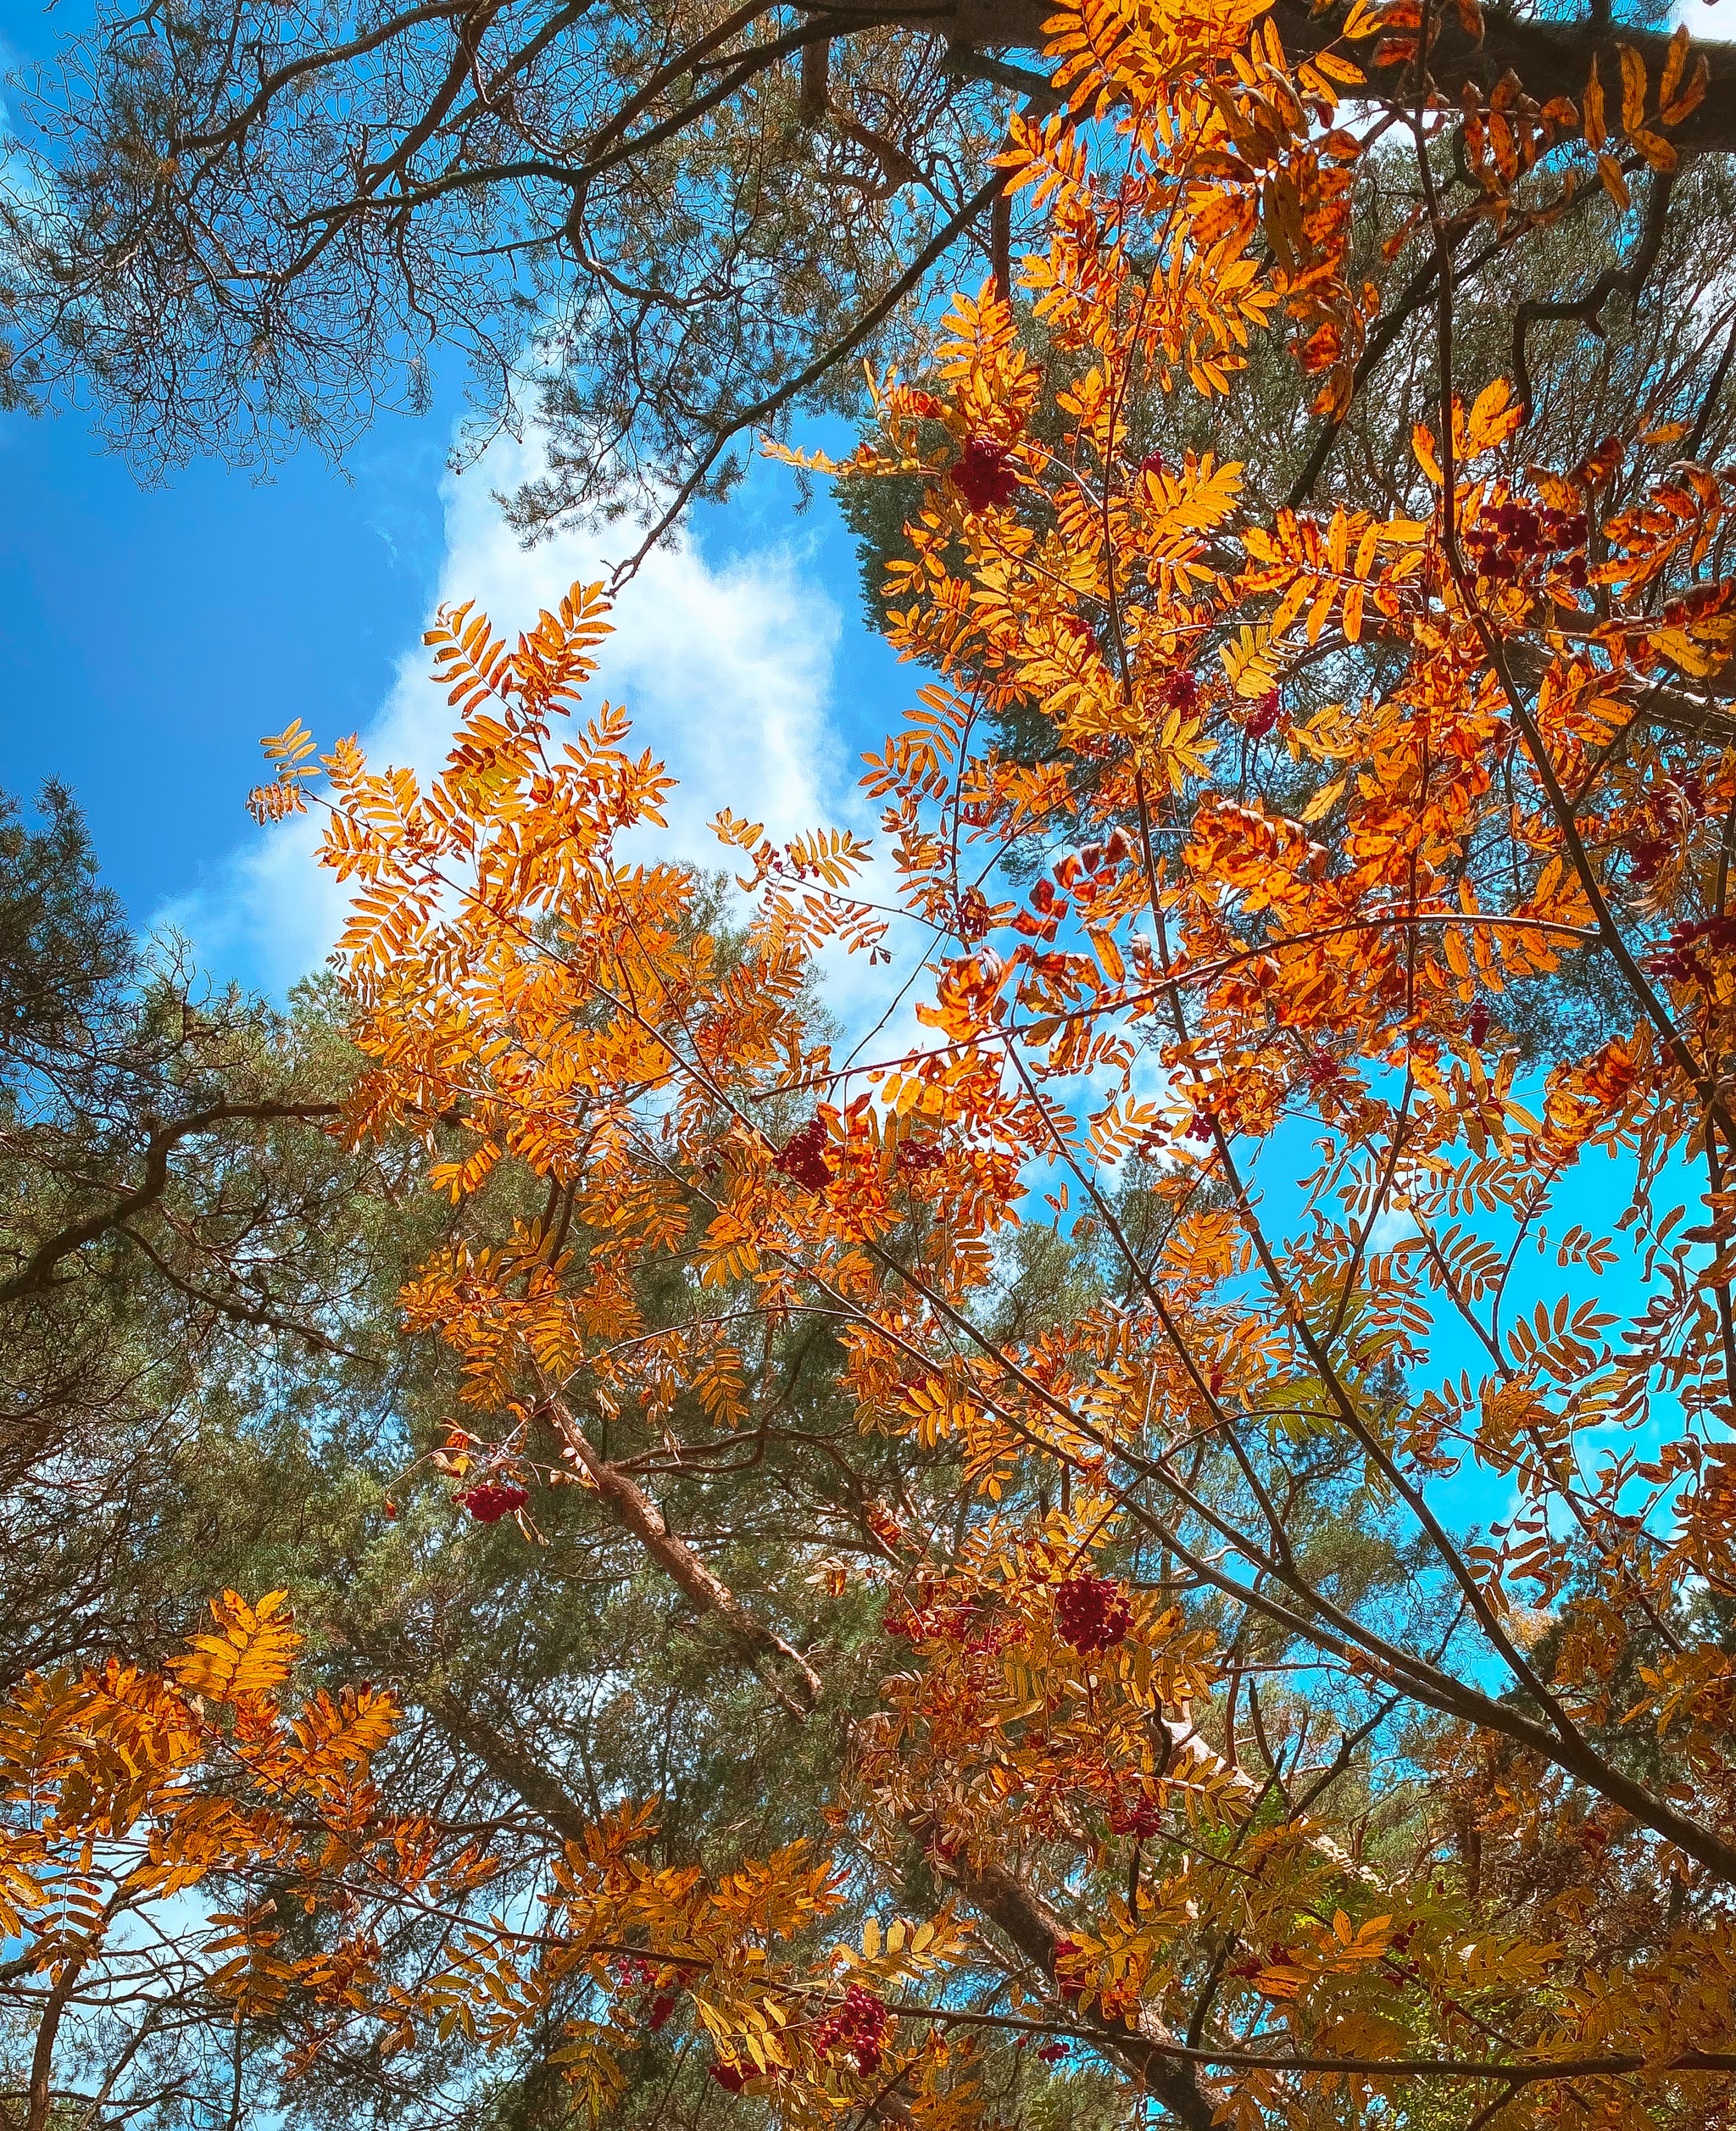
{"x":725,"y":668}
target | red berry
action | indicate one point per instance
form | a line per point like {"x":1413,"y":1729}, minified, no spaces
{"x":1092,"y":1613}
{"x":804,"y":1157}
{"x":1134,"y":1815}
{"x":489,"y":1500}
{"x":984,"y":475}
{"x":1648,"y":856}
{"x":1263,"y":716}
{"x":856,"y":2031}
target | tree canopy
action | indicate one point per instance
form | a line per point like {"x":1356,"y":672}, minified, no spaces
{"x":656,"y":228}
{"x":1162,"y":1549}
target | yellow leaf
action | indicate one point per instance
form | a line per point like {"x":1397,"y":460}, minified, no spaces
{"x":1494,"y":416}
{"x":1678,"y":107}
{"x":1681,"y":650}
{"x":1594,"y":129}
{"x":1280,"y":1982}
{"x":1423,"y":443}
{"x":252,"y":1656}
{"x":1615,"y":184}
{"x":1633,"y":90}
{"x":1249,"y":662}
{"x":1326,"y":799}
{"x":1674,"y":61}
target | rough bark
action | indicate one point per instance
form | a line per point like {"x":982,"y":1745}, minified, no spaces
{"x":767,"y":1652}
{"x":1026,"y":1919}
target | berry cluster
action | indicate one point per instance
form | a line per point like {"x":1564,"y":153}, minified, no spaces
{"x":1670,"y":807}
{"x":1051,"y":2052}
{"x":1077,"y":626}
{"x":1477,"y":1023}
{"x":1152,"y":466}
{"x":1181,"y":692}
{"x":1323,"y":1072}
{"x":857,"y":2030}
{"x":638,"y":1974}
{"x":1069,"y":1987}
{"x":1263,"y":716}
{"x":932,"y":1623}
{"x":1516,"y":533}
{"x":984,"y":474}
{"x":732,"y":2077}
{"x":1092,"y":1613}
{"x":1648,"y":856}
{"x":1679,"y":962}
{"x":489,"y":1500}
{"x":1134,"y":1813}
{"x":916,"y":1158}
{"x":804,"y":1157}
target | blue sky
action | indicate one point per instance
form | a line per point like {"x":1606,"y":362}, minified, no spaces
{"x":149,"y":636}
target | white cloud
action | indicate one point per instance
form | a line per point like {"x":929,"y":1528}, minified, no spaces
{"x":724,"y":668}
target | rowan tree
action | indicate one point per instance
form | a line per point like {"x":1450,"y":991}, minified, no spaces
{"x":197,"y":1444}
{"x":1301,"y":1691}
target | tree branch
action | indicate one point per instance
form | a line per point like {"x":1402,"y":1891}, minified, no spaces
{"x":1615,"y":280}
{"x":767,"y":1652}
{"x":163,"y":1140}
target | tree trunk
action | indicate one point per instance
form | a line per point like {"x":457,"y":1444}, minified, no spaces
{"x":1025,"y":1918}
